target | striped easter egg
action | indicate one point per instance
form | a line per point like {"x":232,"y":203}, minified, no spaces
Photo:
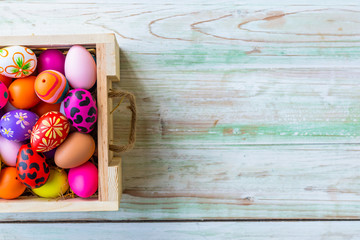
{"x":51,"y":86}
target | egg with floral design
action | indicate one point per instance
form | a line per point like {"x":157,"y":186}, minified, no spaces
{"x":17,"y":61}
{"x":16,"y":125}
{"x":49,"y":132}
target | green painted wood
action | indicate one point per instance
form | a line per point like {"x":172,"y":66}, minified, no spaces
{"x":192,"y":230}
{"x":246,"y":110}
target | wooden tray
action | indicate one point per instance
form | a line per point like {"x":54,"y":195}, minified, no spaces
{"x":108,"y":70}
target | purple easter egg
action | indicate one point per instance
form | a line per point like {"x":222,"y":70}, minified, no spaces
{"x":17,"y":125}
{"x":4,"y":95}
{"x":80,"y":109}
{"x":51,"y":59}
{"x":50,"y":154}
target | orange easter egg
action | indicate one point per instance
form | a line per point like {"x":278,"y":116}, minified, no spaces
{"x":22,"y":93}
{"x":51,"y":86}
{"x":44,"y":107}
{"x":10,"y":185}
{"x":6,"y":80}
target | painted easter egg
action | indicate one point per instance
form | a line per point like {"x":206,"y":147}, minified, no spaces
{"x":56,"y":185}
{"x":80,"y":68}
{"x":31,"y":166}
{"x":9,"y":151}
{"x":17,"y":61}
{"x":4,"y":95}
{"x":80,"y":109}
{"x":5,"y":80}
{"x":22,"y":93}
{"x":16,"y":125}
{"x":10,"y":186}
{"x":51,"y":59}
{"x":49,"y":132}
{"x":83,"y":179}
{"x":51,"y":86}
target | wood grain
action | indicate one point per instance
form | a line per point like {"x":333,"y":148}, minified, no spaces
{"x":178,"y":231}
{"x":246,"y":110}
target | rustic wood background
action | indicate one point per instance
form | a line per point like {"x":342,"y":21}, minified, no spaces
{"x":248,"y":110}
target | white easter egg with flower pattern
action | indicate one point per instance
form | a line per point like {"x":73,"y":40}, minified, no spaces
{"x":17,"y":61}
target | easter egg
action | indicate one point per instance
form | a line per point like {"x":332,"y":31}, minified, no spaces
{"x":17,"y":61}
{"x":49,"y":132}
{"x":31,"y":166}
{"x":83,"y":180}
{"x":16,"y":125}
{"x":75,"y":150}
{"x":10,"y":186}
{"x":51,"y":86}
{"x":4,"y":95}
{"x":44,"y":107}
{"x":9,"y":151}
{"x":56,"y":185}
{"x":5,"y":80}
{"x":51,"y":59}
{"x":22,"y":93}
{"x":80,"y":109}
{"x":80,"y":68}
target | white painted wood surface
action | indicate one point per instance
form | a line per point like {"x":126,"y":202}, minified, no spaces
{"x":247,"y":110}
{"x":185,"y":231}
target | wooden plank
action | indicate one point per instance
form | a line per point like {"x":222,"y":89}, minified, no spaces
{"x":192,"y":230}
{"x":256,"y":121}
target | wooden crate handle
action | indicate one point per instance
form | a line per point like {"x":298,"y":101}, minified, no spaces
{"x":132,"y":135}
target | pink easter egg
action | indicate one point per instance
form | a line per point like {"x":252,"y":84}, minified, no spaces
{"x":83,"y":180}
{"x":80,"y":68}
{"x":9,"y":151}
{"x":51,"y":59}
{"x":4,"y":95}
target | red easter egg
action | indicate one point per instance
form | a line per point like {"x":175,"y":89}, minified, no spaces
{"x":31,"y":166}
{"x":6,"y":80}
{"x":49,"y":132}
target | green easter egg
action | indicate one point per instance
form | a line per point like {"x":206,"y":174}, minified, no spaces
{"x":56,"y":185}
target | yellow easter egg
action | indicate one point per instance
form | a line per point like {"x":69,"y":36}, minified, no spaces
{"x":56,"y":185}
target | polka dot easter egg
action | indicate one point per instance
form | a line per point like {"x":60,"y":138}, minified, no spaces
{"x":16,"y":125}
{"x":31,"y":166}
{"x":4,"y":95}
{"x":51,"y":86}
{"x":80,"y":109}
{"x":49,"y":132}
{"x":17,"y":61}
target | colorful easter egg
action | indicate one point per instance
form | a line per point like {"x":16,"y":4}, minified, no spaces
{"x":4,"y":95}
{"x":9,"y":151}
{"x":80,"y":109}
{"x":80,"y":68}
{"x":17,"y":61}
{"x":51,"y":59}
{"x":10,"y":186}
{"x":31,"y":166}
{"x":83,"y":179}
{"x":22,"y":93}
{"x":56,"y":185}
{"x":49,"y":132}
{"x":51,"y":86}
{"x":75,"y":150}
{"x":16,"y":125}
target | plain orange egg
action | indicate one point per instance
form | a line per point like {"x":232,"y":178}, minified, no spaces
{"x":10,"y":186}
{"x":44,"y":107}
{"x":6,"y":80}
{"x":22,"y":93}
